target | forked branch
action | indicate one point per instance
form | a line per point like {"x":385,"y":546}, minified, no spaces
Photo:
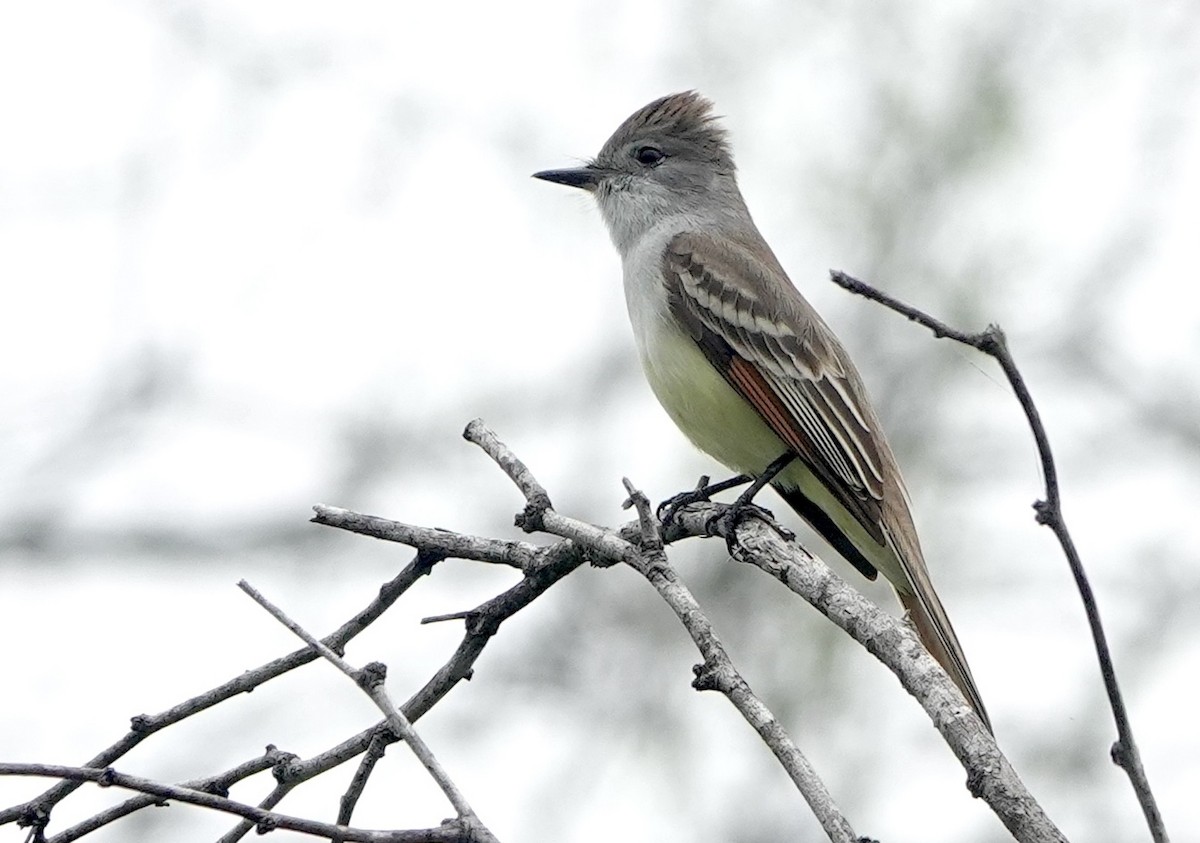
{"x":640,"y":545}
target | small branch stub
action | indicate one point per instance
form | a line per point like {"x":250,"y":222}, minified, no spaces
{"x":371,"y":675}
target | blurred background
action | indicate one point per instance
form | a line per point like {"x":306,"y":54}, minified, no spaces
{"x":256,"y":256}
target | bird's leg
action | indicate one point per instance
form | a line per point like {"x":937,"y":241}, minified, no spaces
{"x":726,"y":523}
{"x":703,"y":492}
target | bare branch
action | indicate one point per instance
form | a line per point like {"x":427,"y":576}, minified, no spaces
{"x":1048,"y":512}
{"x":538,"y":500}
{"x":990,"y":776}
{"x":543,"y":567}
{"x":553,"y":564}
{"x":641,"y":545}
{"x":370,"y":680}
{"x":451,"y":545}
{"x":366,"y":766}
{"x":651,"y":540}
{"x":717,"y":672}
{"x":218,"y":784}
{"x":448,"y":832}
{"x":35,"y":811}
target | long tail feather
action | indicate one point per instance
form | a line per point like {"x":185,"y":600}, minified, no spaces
{"x":936,"y":633}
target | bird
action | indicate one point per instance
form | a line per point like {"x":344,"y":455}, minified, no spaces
{"x":742,"y":363}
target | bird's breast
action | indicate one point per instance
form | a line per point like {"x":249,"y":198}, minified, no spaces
{"x":695,"y":395}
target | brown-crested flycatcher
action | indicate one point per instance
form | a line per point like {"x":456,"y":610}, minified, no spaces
{"x":741,"y":362}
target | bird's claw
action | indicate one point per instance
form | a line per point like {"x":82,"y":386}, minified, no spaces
{"x":725,"y":524}
{"x":667,"y":509}
{"x":703,"y":492}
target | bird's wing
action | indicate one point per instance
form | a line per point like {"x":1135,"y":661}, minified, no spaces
{"x":773,"y":348}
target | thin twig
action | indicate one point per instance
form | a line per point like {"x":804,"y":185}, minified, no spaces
{"x":651,"y":529}
{"x":370,"y":680}
{"x":366,"y":766}
{"x":539,"y":514}
{"x":535,"y":494}
{"x":453,"y":545}
{"x":448,"y":832}
{"x":218,"y":784}
{"x":1048,"y":512}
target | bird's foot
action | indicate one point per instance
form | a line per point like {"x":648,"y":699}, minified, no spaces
{"x":668,"y":509}
{"x":726,"y":523}
{"x":744,"y":507}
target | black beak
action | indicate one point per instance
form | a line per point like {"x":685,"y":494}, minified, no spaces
{"x":584,"y":177}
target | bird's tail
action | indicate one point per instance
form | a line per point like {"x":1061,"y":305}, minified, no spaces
{"x":933,"y":626}
{"x":903,"y":565}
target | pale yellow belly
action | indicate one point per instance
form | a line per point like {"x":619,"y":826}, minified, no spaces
{"x":725,"y":426}
{"x":706,"y":408}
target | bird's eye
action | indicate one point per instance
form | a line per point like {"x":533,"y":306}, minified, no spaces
{"x":649,"y":156}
